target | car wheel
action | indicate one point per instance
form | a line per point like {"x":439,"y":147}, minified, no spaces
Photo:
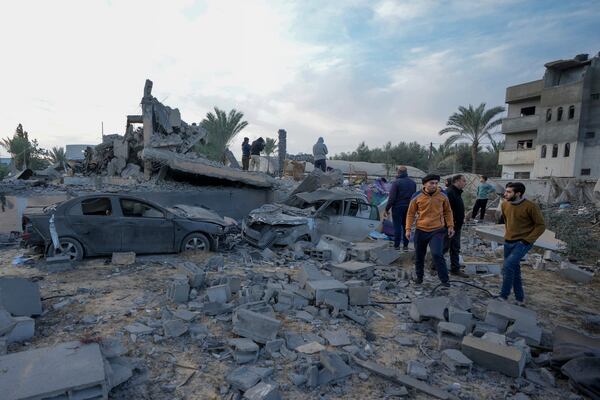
{"x":68,"y":247}
{"x":195,"y":242}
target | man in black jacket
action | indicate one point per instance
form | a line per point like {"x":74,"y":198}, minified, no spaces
{"x":401,"y":192}
{"x":454,"y":192}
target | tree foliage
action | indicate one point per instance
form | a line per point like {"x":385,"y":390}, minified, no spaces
{"x":221,"y":129}
{"x":24,"y":152}
{"x":473,"y":125}
{"x":270,"y":145}
{"x":58,"y":157}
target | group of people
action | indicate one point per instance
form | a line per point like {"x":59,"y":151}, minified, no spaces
{"x":251,"y":154}
{"x":439,"y":215}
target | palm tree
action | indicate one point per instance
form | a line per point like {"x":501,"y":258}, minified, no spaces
{"x":221,"y":128}
{"x":474,"y":125}
{"x":441,"y":155}
{"x":270,"y":145}
{"x":19,"y":147}
{"x":57,"y":156}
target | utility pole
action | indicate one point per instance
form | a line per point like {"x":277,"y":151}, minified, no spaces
{"x":430,"y":155}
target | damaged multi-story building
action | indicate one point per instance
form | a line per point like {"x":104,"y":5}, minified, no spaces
{"x":553,"y":124}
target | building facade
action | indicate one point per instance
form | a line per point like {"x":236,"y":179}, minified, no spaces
{"x":553,"y":124}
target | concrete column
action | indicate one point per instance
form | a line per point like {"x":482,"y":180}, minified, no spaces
{"x":147,"y":114}
{"x":282,"y":149}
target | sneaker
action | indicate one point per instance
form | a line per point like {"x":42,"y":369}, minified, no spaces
{"x":520,"y":303}
{"x":445,"y":284}
{"x":405,"y":249}
{"x":418,"y":281}
{"x":502,"y":299}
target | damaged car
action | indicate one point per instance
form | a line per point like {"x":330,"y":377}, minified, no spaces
{"x":101,"y":224}
{"x":307,"y":216}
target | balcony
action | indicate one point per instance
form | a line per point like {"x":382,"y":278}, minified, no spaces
{"x":524,"y":91}
{"x":520,"y":124}
{"x":516,"y":157}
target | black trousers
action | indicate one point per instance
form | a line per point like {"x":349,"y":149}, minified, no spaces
{"x":321,"y":164}
{"x":452,"y":245}
{"x":480,"y":205}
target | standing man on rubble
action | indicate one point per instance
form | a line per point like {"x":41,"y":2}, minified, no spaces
{"x":403,"y":188}
{"x":257,"y":146}
{"x":320,"y":154}
{"x":246,"y":154}
{"x":524,"y":225}
{"x":430,"y":208}
{"x":483,"y":193}
{"x":452,"y":244}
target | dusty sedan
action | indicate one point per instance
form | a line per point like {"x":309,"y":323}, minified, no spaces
{"x":105,"y":223}
{"x":342,"y":213}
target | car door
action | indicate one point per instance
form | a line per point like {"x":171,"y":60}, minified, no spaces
{"x":95,"y":224}
{"x":328,"y":218}
{"x":358,"y":220}
{"x":146,"y":228}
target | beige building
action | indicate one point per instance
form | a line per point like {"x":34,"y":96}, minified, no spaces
{"x":553,"y":124}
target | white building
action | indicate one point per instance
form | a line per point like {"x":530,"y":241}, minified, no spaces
{"x":553,"y":124}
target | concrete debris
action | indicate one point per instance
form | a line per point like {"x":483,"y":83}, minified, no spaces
{"x":196,"y":275}
{"x":263,"y":391}
{"x":429,"y":307}
{"x":22,"y":331}
{"x":456,"y":361}
{"x":477,"y":268}
{"x":68,"y":370}
{"x":417,"y":370}
{"x":219,"y":294}
{"x":339,"y":248}
{"x":506,"y":359}
{"x":450,"y":335}
{"x":124,"y":258}
{"x":319,"y":289}
{"x":337,"y":338}
{"x":352,"y":270}
{"x":243,"y":378}
{"x":358,"y":292}
{"x":179,"y":289}
{"x":310,"y":348}
{"x":244,"y":350}
{"x":574,"y":273}
{"x":20,"y":297}
{"x":258,"y":327}
{"x":175,"y":328}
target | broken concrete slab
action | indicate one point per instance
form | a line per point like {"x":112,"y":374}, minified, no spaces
{"x":355,"y":317}
{"x":339,"y":248}
{"x":69,"y":370}
{"x":510,"y":311}
{"x":449,"y":335}
{"x":196,"y":275}
{"x":361,"y":251}
{"x":569,"y":344}
{"x":394,"y":376}
{"x":205,"y":167}
{"x":245,"y":377}
{"x":506,"y":359}
{"x":123,"y":258}
{"x":118,"y":370}
{"x":339,"y":301}
{"x":20,"y":297}
{"x":258,"y":327}
{"x":139,"y":329}
{"x":358,"y":293}
{"x":175,"y":327}
{"x":384,"y":255}
{"x":461,"y":317}
{"x":531,"y":332}
{"x":429,"y":307}
{"x":7,"y":322}
{"x":310,"y":273}
{"x":335,"y":365}
{"x":263,"y":391}
{"x":546,"y":241}
{"x":456,"y":361}
{"x":289,"y":300}
{"x":574,"y":273}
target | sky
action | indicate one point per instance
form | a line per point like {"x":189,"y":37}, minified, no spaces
{"x":350,"y":71}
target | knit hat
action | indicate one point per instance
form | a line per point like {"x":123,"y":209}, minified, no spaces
{"x":430,"y":177}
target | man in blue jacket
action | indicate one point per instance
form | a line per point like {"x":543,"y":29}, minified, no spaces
{"x":246,"y":154}
{"x":400,"y":194}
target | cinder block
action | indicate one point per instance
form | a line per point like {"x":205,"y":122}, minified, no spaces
{"x":291,"y":300}
{"x":532,"y":333}
{"x":318,"y":289}
{"x":456,"y":361}
{"x":244,"y":350}
{"x":195,"y":274}
{"x":310,"y":273}
{"x":359,"y":295}
{"x":510,"y":312}
{"x":179,"y":289}
{"x":23,"y":330}
{"x":352,"y":270}
{"x":334,"y":364}
{"x":464,"y":318}
{"x":429,"y":307}
{"x":20,"y":297}
{"x":338,"y":301}
{"x":506,"y":359}
{"x":219,"y":293}
{"x":258,"y":327}
{"x":450,"y":335}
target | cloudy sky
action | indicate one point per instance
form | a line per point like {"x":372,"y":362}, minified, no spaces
{"x":348,"y":70}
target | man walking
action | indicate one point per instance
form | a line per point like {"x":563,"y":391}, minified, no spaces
{"x":452,"y":244}
{"x":257,"y":146}
{"x":524,"y":225}
{"x":483,"y":193}
{"x":245,"y":154}
{"x":320,"y":154}
{"x":431,"y":210}
{"x":403,"y":188}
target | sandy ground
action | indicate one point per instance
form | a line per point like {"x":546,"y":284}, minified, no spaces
{"x":104,"y":299}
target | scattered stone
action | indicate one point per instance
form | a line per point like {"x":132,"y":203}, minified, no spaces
{"x":196,"y":275}
{"x":352,"y":270}
{"x":310,"y":348}
{"x":574,"y":273}
{"x":263,"y":391}
{"x":404,"y":341}
{"x":274,"y":346}
{"x":358,"y":293}
{"x":318,"y":289}
{"x":139,"y":329}
{"x":179,"y":289}
{"x":185,"y":315}
{"x":355,"y":317}
{"x":123,"y":258}
{"x":461,"y":317}
{"x":333,"y":363}
{"x":20,"y":297}
{"x":531,"y":332}
{"x":337,"y":338}
{"x":219,"y":294}
{"x":244,"y":377}
{"x":339,"y":301}
{"x":450,"y":335}
{"x":22,"y":331}
{"x":244,"y":350}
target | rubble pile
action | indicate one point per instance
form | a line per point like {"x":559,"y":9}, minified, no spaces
{"x":335,"y":319}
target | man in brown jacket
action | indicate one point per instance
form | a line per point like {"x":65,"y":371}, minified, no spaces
{"x":431,"y":210}
{"x":524,"y":225}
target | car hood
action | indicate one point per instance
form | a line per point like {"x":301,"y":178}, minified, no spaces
{"x":280,"y":214}
{"x":199,"y":214}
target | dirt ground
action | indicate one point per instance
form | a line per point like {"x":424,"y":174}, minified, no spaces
{"x":97,"y":299}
